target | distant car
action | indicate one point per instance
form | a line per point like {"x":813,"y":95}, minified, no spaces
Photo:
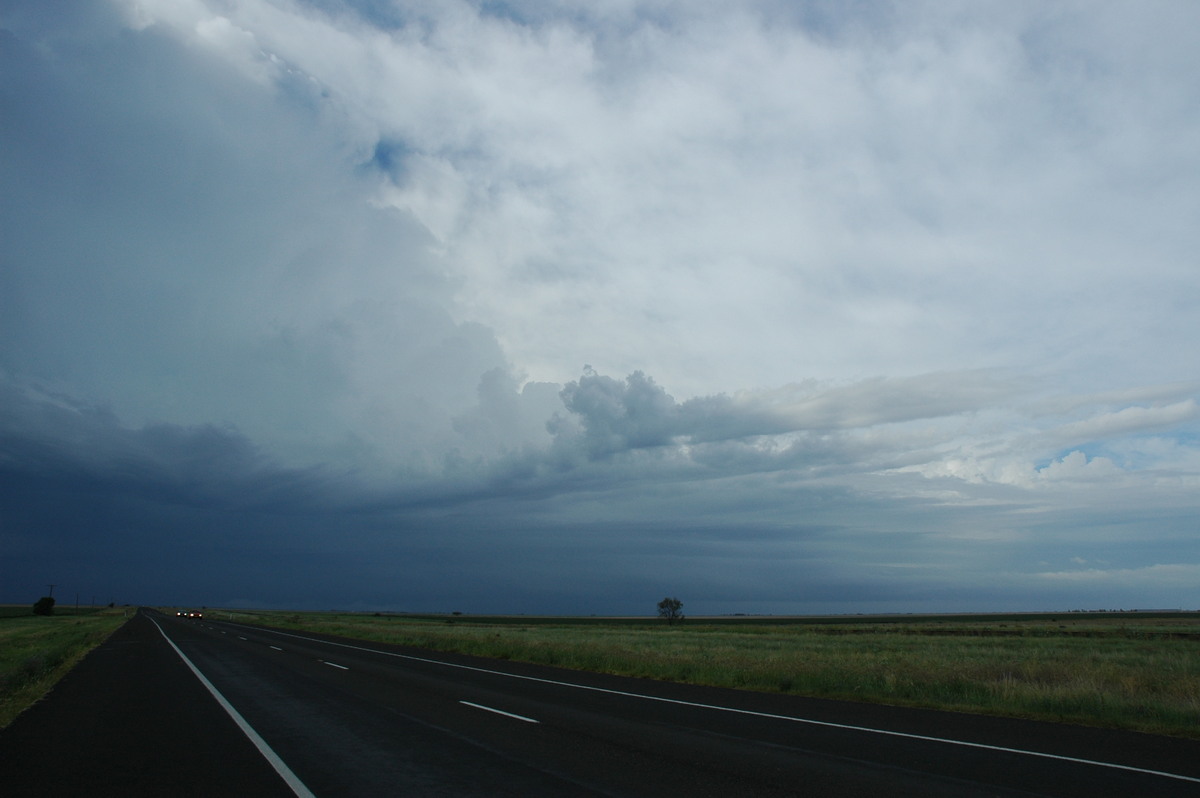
{"x":190,"y":614}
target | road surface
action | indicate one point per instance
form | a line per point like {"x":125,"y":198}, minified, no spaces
{"x":174,"y":707}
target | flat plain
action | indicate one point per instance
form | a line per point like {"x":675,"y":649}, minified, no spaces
{"x":1128,"y":670}
{"x":1138,"y":671}
{"x":36,"y":651}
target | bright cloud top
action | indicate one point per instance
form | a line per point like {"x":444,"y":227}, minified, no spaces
{"x":871,"y":291}
{"x":857,"y":194}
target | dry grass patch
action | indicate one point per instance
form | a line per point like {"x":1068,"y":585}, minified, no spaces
{"x":1119,"y":672}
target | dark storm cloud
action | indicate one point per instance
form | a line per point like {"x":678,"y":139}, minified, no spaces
{"x":51,"y":441}
{"x":888,"y":311}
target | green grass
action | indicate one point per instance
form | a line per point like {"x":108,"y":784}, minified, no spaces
{"x":1117,"y":670}
{"x":36,"y":651}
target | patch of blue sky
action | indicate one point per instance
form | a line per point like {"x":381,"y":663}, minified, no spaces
{"x":384,"y":14}
{"x":391,"y":157}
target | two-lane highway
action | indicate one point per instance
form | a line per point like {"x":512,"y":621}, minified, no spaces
{"x":338,"y":717}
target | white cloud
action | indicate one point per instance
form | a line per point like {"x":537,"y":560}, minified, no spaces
{"x":1077,"y":466}
{"x":754,"y":197}
{"x":1129,"y":420}
{"x":870,"y":289}
{"x":1169,"y":575}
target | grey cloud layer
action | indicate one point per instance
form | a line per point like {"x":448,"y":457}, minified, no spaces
{"x":167,"y":256}
{"x":885,"y":304}
{"x":932,"y":188}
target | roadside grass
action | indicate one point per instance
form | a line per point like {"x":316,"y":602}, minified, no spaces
{"x":1136,"y":673}
{"x":37,"y":651}
{"x":23,"y":610}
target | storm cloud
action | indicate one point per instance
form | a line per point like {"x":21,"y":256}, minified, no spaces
{"x":777,"y":308}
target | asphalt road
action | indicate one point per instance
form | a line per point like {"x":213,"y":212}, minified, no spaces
{"x":143,"y":715}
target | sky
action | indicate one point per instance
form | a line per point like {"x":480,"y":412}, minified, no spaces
{"x":564,"y":307}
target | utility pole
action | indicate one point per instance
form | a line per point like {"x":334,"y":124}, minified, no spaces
{"x":52,"y":591}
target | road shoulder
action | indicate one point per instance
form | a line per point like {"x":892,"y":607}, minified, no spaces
{"x":131,"y":720}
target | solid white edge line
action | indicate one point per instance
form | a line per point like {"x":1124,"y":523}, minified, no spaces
{"x":280,"y":766}
{"x":825,"y":723}
{"x":500,"y":712}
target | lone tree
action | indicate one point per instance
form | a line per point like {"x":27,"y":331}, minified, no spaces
{"x":44,"y":606}
{"x":670,"y":610}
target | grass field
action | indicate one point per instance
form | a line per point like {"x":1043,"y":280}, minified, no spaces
{"x":1135,"y":671}
{"x":35,"y":651}
{"x":25,"y":610}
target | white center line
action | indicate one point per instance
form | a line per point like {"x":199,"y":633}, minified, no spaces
{"x":333,"y":664}
{"x":790,"y":718}
{"x":277,"y":648}
{"x":500,"y":712}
